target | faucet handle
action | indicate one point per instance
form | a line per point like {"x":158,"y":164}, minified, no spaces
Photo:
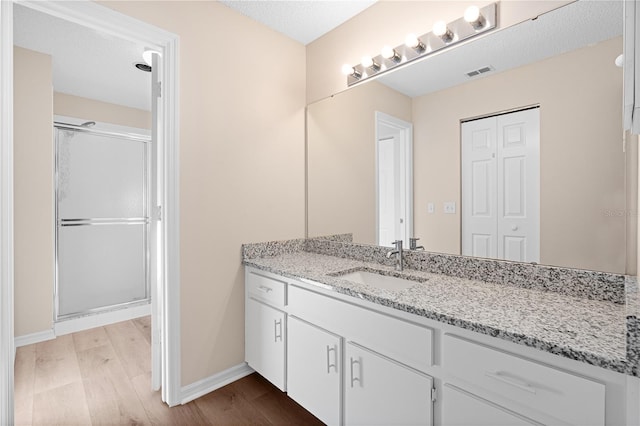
{"x":397,"y":244}
{"x":413,"y":243}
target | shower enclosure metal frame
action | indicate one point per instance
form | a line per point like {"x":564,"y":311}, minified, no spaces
{"x":103,"y":221}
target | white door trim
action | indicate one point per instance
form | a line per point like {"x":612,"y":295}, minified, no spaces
{"x":406,"y":136}
{"x":7,"y":348}
{"x":100,"y":18}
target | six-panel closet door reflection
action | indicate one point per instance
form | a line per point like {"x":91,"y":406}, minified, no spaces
{"x":102,"y":220}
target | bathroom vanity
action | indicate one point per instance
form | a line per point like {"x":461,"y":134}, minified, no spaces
{"x":443,"y":349}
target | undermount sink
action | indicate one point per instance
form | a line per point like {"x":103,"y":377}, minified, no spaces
{"x":379,"y":279}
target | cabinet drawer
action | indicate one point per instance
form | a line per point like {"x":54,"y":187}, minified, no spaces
{"x":262,"y":286}
{"x":401,"y":340}
{"x":564,"y":396}
{"x":460,"y":408}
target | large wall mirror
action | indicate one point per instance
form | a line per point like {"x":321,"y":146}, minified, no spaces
{"x":524,"y":123}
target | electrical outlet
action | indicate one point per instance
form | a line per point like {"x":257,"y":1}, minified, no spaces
{"x":431,"y":208}
{"x":450,"y":207}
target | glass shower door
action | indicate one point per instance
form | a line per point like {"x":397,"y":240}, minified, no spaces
{"x":101,"y":220}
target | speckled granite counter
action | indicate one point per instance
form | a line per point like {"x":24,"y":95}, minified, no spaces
{"x":598,"y":332}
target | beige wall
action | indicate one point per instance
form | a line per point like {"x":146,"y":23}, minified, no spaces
{"x":33,"y":192}
{"x":582,"y":179}
{"x":241,"y":163}
{"x":90,"y":109}
{"x":341,"y":158}
{"x":388,"y":22}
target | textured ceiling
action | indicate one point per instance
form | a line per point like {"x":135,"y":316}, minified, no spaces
{"x":565,"y":29}
{"x":90,"y":64}
{"x":86,"y":63}
{"x":302,"y":20}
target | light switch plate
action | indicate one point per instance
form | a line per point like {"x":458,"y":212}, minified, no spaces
{"x":450,"y":207}
{"x":431,"y":208}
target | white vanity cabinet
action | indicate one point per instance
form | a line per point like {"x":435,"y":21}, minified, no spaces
{"x":266,"y":326}
{"x":314,"y":367}
{"x":353,"y":362}
{"x":380,"y":375}
{"x":381,"y":391}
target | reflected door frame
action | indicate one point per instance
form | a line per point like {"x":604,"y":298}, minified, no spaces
{"x":403,"y":133}
{"x":105,"y":20}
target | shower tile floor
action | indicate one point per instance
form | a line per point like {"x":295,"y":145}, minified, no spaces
{"x":103,"y":376}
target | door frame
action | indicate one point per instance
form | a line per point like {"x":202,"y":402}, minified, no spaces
{"x":406,"y":139}
{"x":103,"y":19}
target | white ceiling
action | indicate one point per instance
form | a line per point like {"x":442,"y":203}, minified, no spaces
{"x":85,"y":62}
{"x":565,"y":29}
{"x":301,"y":20}
{"x":97,"y":66}
{"x":93,"y":65}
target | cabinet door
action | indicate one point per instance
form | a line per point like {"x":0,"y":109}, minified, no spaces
{"x":380,"y":391}
{"x":313,"y":369}
{"x":460,"y":408}
{"x":265,"y":330}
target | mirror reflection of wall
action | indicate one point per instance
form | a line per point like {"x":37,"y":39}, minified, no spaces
{"x":584,"y":172}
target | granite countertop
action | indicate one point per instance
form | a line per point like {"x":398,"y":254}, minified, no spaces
{"x":591,"y":331}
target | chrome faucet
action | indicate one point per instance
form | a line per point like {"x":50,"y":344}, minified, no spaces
{"x":413,"y":244}
{"x":398,"y":253}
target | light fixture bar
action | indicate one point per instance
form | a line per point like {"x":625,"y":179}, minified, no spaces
{"x":457,"y":31}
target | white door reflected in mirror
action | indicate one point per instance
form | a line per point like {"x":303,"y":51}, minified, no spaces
{"x":501,"y":186}
{"x":393,"y":179}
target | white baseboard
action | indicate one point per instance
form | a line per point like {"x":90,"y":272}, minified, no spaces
{"x":99,"y":319}
{"x":211,"y":383}
{"x":29,"y":339}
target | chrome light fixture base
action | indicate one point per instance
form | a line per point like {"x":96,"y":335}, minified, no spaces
{"x":460,"y":29}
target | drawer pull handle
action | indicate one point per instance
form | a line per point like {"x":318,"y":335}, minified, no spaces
{"x":353,"y":378}
{"x":277,"y":329}
{"x":335,"y":357}
{"x":265,"y":289}
{"x":520,"y":384}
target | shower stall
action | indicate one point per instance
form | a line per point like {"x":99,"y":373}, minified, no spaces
{"x":102,"y":220}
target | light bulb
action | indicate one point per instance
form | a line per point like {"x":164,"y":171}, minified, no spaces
{"x":441,"y":30}
{"x":388,"y":52}
{"x":147,"y":56}
{"x":473,"y":16}
{"x":414,"y":43}
{"x":347,"y":69}
{"x":366,"y":61}
{"x":351,"y":71}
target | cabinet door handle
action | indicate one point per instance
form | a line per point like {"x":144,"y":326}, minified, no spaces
{"x":277,"y":329}
{"x":335,"y":358}
{"x":353,"y":377}
{"x":520,"y":384}
{"x":265,"y":289}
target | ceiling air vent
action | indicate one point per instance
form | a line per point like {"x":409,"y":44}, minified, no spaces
{"x":480,"y":71}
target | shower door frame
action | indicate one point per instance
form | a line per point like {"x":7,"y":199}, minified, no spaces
{"x":139,"y":138}
{"x":102,"y":19}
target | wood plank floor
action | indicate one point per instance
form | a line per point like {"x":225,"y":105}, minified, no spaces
{"x":102,"y":376}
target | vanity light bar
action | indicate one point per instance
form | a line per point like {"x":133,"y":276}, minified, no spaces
{"x":442,"y":36}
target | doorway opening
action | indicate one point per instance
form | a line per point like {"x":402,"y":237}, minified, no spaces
{"x":164,"y":212}
{"x":394,"y":180}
